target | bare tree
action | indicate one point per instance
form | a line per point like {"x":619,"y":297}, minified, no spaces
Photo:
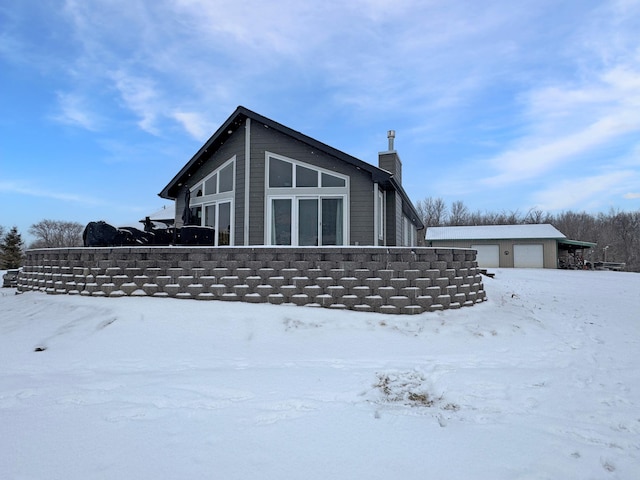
{"x":432,"y":211}
{"x":56,"y":233}
{"x":459,"y":214}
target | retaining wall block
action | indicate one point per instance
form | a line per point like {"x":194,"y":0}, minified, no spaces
{"x":361,"y":291}
{"x":289,"y":273}
{"x":325,"y":282}
{"x":312,"y":290}
{"x":412,"y":310}
{"x":439,"y":265}
{"x":399,"y":301}
{"x":230,"y":297}
{"x":218,"y":289}
{"x":373,"y":282}
{"x":230,"y":281}
{"x":389,"y":309}
{"x":288,"y":291}
{"x":324,"y":300}
{"x":128,"y":288}
{"x":451,"y":290}
{"x":276,"y":298}
{"x":422,"y":282}
{"x":184,"y":281}
{"x":171,"y":289}
{"x":300,"y":299}
{"x":374,"y":301}
{"x":276,"y":282}
{"x":431,"y":274}
{"x":207,"y":281}
{"x":325,"y":265}
{"x":253,"y":281}
{"x":277,"y":264}
{"x":411,"y":292}
{"x":174,"y":273}
{"x":386,"y":292}
{"x":265,"y":273}
{"x":398,"y":283}
{"x":425,"y":301}
{"x":314,"y":273}
{"x":243,"y":273}
{"x":336,"y":291}
{"x":348,"y":282}
{"x":254,"y":298}
{"x":434,"y":291}
{"x":460,"y":298}
{"x":241,"y":290}
{"x":337,"y":273}
{"x":386,"y":275}
{"x":363,"y":308}
{"x":195,"y":289}
{"x":187,"y":265}
{"x":444,"y":300}
{"x":119,"y":280}
{"x":264,"y":290}
{"x":349,"y":300}
{"x":420,"y":265}
{"x":150,"y":289}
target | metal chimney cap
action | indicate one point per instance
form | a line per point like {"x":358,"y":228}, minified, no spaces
{"x":391,"y":134}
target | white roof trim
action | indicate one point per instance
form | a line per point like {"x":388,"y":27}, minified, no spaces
{"x":494,"y":232}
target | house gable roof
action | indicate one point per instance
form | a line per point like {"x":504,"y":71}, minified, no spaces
{"x":237,"y":120}
{"x":495,"y":232}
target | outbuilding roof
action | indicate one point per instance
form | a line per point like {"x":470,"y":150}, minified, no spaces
{"x":494,"y":232}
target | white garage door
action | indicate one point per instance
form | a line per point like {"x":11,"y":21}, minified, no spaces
{"x":528,"y":256}
{"x":488,"y":255}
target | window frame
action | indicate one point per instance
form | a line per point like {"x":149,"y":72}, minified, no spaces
{"x":295,"y":194}
{"x":215,"y":200}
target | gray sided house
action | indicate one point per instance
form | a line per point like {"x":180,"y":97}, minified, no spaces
{"x":257,"y":182}
{"x":509,"y":246}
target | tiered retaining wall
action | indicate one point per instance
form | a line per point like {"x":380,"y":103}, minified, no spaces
{"x":373,"y":279}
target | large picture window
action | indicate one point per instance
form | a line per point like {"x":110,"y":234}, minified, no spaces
{"x":212,"y":202}
{"x":306,"y":205}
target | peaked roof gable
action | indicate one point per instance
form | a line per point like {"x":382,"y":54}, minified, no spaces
{"x":237,"y":120}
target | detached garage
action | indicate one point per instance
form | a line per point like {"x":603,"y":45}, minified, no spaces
{"x":508,"y":246}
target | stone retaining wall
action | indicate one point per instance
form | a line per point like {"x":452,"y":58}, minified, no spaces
{"x":372,"y":279}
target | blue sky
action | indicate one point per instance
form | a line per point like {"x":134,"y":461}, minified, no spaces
{"x":503,"y":105}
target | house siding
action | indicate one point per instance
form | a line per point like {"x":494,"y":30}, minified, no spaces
{"x":550,"y":248}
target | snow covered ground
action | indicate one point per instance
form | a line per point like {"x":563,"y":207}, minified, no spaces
{"x":542,"y":381}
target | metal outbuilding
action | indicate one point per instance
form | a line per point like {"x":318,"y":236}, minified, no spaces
{"x":519,"y":246}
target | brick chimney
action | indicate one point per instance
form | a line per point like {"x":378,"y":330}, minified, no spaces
{"x":389,"y":160}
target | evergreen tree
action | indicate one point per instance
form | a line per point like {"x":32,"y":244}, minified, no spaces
{"x":11,"y":250}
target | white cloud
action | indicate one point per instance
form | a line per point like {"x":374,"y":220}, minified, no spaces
{"x":73,"y":110}
{"x":569,"y":124}
{"x":140,"y":96}
{"x":195,"y":124}
{"x":37,"y":191}
{"x":583,"y":192}
{"x":631,"y":196}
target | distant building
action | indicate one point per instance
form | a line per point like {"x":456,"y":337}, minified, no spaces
{"x":519,"y":246}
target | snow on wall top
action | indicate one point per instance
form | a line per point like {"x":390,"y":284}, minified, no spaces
{"x":493,"y":232}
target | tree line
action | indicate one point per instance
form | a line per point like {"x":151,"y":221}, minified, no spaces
{"x":617,"y":233}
